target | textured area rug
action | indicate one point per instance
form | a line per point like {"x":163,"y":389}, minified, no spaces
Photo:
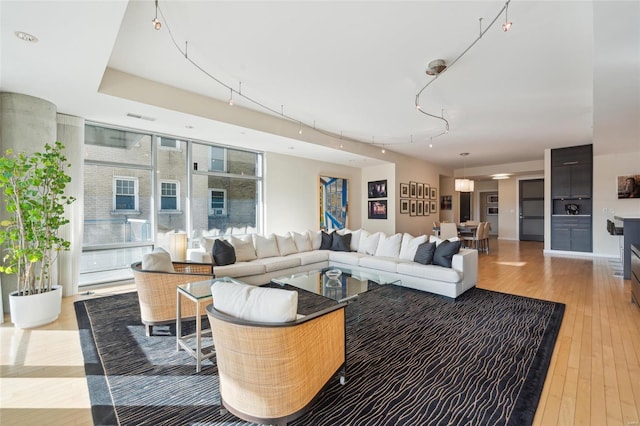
{"x":412,"y":358}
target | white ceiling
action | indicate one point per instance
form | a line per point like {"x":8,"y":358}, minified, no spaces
{"x":350,"y":68}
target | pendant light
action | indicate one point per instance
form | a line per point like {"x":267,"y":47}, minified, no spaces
{"x":464,"y":185}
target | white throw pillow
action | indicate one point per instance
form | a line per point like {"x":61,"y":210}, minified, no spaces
{"x":244,"y":248}
{"x":286,"y":245}
{"x":410,"y":245}
{"x":265,"y":246}
{"x":316,"y":239}
{"x":355,"y":239}
{"x":206,"y":243}
{"x":158,"y":260}
{"x":369,"y":243}
{"x":263,"y":304}
{"x":302,"y":241}
{"x":343,"y":231}
{"x":434,"y":239}
{"x":389,"y":246}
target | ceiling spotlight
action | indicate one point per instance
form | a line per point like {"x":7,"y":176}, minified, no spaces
{"x":231,"y":97}
{"x":300,"y":130}
{"x":384,"y":151}
{"x":436,"y":67}
{"x":156,"y":23}
{"x":26,"y":37}
{"x":507,"y":24}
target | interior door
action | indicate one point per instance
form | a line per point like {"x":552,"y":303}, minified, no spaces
{"x":532,"y":210}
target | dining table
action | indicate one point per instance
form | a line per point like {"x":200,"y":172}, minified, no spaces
{"x":463,"y":229}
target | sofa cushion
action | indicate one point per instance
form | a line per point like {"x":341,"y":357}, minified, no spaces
{"x":286,"y":245}
{"x":158,"y":260}
{"x":389,"y":246}
{"x":388,"y":264}
{"x":302,"y":241}
{"x":311,"y":257}
{"x":429,"y":272}
{"x":316,"y":239}
{"x":265,"y":246}
{"x":368,"y":242}
{"x":424,"y":254}
{"x":349,"y":258}
{"x":223,"y":253}
{"x":278,"y":263}
{"x":244,"y":248}
{"x":444,"y":253}
{"x":239,"y":269}
{"x":262,"y":304}
{"x":326,"y":241}
{"x":341,"y":242}
{"x":409,"y":246}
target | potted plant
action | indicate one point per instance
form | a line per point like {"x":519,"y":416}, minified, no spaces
{"x":33,"y":188}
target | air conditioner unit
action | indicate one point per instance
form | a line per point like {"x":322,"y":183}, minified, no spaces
{"x":218,"y":211}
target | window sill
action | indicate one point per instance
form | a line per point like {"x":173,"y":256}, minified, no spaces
{"x":126,"y":212}
{"x":169,"y":211}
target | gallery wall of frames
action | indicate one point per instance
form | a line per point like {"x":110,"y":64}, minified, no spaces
{"x":418,"y":199}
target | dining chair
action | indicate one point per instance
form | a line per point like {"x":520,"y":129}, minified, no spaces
{"x":484,"y":242}
{"x":474,"y":238}
{"x":448,"y":230}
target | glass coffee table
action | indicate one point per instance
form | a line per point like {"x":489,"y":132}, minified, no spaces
{"x":346,"y":287}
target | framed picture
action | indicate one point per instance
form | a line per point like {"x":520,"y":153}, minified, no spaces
{"x":433,"y":206}
{"x":404,"y":190}
{"x":492,"y":211}
{"x":426,"y":209}
{"x":434,"y":193}
{"x":419,"y":207}
{"x":412,"y":207}
{"x":378,"y":209}
{"x":412,"y":189}
{"x":377,"y":189}
{"x":427,"y":190}
{"x":446,"y":202}
{"x":419,"y":190}
{"x":492,"y":198}
{"x":404,"y":205}
{"x":629,"y":186}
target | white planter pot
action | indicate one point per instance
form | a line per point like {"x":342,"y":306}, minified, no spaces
{"x":35,"y":310}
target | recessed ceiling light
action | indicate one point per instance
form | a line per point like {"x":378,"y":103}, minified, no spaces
{"x":291,"y":147}
{"x":499,"y":176}
{"x":140,"y":117}
{"x":189,"y":126}
{"x":26,"y":36}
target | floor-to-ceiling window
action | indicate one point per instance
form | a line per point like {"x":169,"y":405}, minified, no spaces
{"x":118,"y":202}
{"x":140,"y":188}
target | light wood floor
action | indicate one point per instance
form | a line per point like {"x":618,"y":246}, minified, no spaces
{"x":593,"y":379}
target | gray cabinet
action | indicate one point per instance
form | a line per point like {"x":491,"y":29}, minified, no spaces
{"x":572,"y":233}
{"x":571,"y":187}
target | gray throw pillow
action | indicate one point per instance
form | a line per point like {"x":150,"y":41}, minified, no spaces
{"x":341,"y":242}
{"x":326,"y":241}
{"x":424,"y":253}
{"x":223,"y":253}
{"x":444,"y":253}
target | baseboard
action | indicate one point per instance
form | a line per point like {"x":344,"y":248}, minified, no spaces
{"x":565,"y":253}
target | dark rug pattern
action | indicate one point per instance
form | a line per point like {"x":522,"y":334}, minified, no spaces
{"x":413,"y":358}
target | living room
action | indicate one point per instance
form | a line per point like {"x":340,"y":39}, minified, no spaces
{"x":297,"y":152}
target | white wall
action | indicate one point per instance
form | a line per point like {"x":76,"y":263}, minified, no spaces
{"x":291,"y":193}
{"x":606,"y":169}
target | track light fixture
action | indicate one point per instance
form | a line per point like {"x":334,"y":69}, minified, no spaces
{"x":437,"y":67}
{"x":230,"y":97}
{"x":156,"y":23}
{"x":507,"y":24}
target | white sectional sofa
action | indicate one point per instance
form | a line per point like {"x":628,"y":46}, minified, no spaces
{"x":260,"y":259}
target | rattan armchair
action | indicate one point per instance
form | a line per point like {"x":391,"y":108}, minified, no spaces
{"x":157,"y":291}
{"x":271,"y":373}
